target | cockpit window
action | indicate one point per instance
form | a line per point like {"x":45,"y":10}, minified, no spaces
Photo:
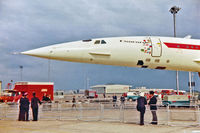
{"x":97,"y":42}
{"x":100,"y":42}
{"x":103,"y":42}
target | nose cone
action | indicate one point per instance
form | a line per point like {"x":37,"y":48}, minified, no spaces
{"x":40,"y":52}
{"x":73,"y":52}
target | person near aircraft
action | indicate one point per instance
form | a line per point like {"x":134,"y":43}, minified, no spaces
{"x":141,"y":102}
{"x":34,"y":105}
{"x":153,"y":107}
{"x":24,"y":108}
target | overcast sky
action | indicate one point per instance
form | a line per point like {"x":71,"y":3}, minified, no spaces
{"x":29,"y":24}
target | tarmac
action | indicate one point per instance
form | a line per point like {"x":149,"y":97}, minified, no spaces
{"x":76,"y":126}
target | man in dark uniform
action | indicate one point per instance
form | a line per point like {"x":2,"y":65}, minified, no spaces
{"x":21,"y":109}
{"x":34,"y":106}
{"x":153,"y":107}
{"x":44,"y":98}
{"x":122,"y":99}
{"x":24,"y":108}
{"x":74,"y":102}
{"x":141,"y":102}
{"x":114,"y":100}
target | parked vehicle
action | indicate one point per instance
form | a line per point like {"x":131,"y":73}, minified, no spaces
{"x":10,"y":96}
{"x":59,"y":94}
{"x":132,"y":96}
{"x":91,"y":94}
{"x":176,"y":100}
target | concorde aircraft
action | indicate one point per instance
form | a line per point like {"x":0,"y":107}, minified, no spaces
{"x":152,"y":52}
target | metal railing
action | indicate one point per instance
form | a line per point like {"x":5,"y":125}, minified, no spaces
{"x":127,"y":113}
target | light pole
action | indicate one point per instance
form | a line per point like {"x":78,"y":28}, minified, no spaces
{"x":49,"y":70}
{"x":88,"y":83}
{"x":174,"y":10}
{"x":21,"y":70}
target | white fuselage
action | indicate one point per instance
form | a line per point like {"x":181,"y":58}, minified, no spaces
{"x":145,"y":52}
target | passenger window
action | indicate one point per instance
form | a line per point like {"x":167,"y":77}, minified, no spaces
{"x":148,"y":60}
{"x":97,"y":42}
{"x":103,"y":42}
{"x":157,"y":60}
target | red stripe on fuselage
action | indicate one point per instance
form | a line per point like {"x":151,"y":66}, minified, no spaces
{"x":182,"y":46}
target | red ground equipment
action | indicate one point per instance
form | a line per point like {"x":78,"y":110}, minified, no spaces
{"x":91,"y":94}
{"x":40,"y":88}
{"x":10,"y":96}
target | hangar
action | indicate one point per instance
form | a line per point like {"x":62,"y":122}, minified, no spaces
{"x":111,"y":88}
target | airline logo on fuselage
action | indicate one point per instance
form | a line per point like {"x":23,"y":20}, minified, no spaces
{"x":182,"y":46}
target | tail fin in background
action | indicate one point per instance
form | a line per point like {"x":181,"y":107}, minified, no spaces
{"x":188,"y":37}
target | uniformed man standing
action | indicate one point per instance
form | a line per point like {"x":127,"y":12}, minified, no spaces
{"x":141,"y":102}
{"x":73,"y":102}
{"x":122,"y":99}
{"x":114,"y":100}
{"x":34,"y":105}
{"x":153,"y":107}
{"x":24,"y":108}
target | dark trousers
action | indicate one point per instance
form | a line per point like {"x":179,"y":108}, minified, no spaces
{"x":23,"y":115}
{"x":74,"y":105}
{"x":142,"y":117}
{"x":35,"y":114}
{"x":26,"y":115}
{"x":154,"y":117}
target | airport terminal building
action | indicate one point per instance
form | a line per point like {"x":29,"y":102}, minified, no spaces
{"x":111,"y":88}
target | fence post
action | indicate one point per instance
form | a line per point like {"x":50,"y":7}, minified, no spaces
{"x":5,"y":111}
{"x":198,"y":114}
{"x":80,"y":111}
{"x":60,"y":111}
{"x":168,"y":115}
{"x":102,"y":112}
{"x":121,"y":113}
{"x":0,"y":112}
